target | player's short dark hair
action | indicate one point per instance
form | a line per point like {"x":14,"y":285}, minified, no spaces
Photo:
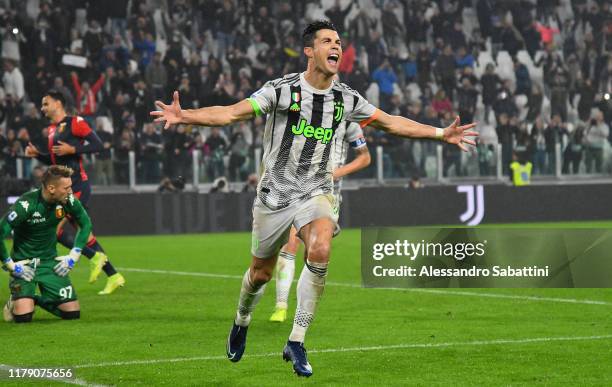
{"x":57,"y":95}
{"x":311,"y":30}
{"x":55,"y":172}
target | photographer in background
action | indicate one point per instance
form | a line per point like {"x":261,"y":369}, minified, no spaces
{"x":596,"y":137}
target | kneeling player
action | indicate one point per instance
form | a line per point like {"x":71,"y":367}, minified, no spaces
{"x":33,"y":219}
{"x":348,"y":133}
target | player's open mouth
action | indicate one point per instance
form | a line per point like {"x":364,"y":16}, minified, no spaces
{"x":333,"y":59}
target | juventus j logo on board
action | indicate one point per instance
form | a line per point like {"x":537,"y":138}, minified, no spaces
{"x":295,"y":98}
{"x":338,"y":110}
{"x":474,"y":211}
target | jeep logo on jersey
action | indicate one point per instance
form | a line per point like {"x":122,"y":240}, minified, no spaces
{"x":309,"y":131}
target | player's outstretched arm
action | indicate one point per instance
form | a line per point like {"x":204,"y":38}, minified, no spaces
{"x":362,"y":160}
{"x":455,"y":133}
{"x":207,"y":116}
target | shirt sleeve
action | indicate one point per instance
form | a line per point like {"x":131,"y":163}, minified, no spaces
{"x":80,"y":127}
{"x":354,"y":135}
{"x":16,"y":215}
{"x":74,"y":207}
{"x":263,"y":100}
{"x":363,"y":112}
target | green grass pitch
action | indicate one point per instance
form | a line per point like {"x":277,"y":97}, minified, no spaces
{"x":171,"y":328}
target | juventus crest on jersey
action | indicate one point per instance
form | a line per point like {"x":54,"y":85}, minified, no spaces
{"x":301,"y":124}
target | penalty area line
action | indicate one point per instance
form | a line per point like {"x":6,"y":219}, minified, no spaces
{"x":416,"y":290}
{"x":360,"y":349}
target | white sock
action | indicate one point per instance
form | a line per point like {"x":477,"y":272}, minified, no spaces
{"x":309,"y":290}
{"x":249,"y":297}
{"x":285,"y":269}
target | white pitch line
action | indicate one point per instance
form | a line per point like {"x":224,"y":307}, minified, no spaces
{"x":417,"y":290}
{"x":357,"y":349}
{"x":76,"y":381}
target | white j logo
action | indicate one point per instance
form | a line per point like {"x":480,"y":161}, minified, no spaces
{"x":475,"y":204}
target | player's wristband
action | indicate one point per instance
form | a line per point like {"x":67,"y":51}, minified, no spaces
{"x":439,"y":133}
{"x":75,"y":254}
{"x":8,"y":264}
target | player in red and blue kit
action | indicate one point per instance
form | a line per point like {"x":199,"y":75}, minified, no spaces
{"x":69,"y":138}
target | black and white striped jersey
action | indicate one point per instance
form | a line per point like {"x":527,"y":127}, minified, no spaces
{"x":301,"y":125}
{"x":348,"y":134}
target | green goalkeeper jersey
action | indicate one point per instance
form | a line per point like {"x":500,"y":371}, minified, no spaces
{"x":34,"y":223}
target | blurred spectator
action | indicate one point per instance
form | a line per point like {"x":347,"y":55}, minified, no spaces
{"x":506,"y":131}
{"x":386,"y":79}
{"x":150,"y":150}
{"x":587,"y":98}
{"x":521,"y":170}
{"x":491,"y":83}
{"x":13,"y":81}
{"x":467,"y":96}
{"x":337,"y":15}
{"x":553,"y":135}
{"x":523,"y":80}
{"x":104,"y":171}
{"x":445,"y":70}
{"x":441,"y":103}
{"x":596,"y":137}
{"x":572,"y":156}
{"x":216,"y":146}
{"x":505,"y":102}
{"x":464,"y":58}
{"x":538,"y":143}
{"x":157,"y":77}
{"x":125,"y":144}
{"x":534,"y":103}
{"x":86,"y":97}
{"x":348,"y":57}
{"x":239,"y":149}
{"x":182,"y":144}
{"x":251,"y":183}
{"x":559,"y":95}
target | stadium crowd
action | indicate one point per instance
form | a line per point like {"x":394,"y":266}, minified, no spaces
{"x":533,"y":73}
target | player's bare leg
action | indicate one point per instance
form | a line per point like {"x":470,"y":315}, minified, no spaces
{"x":285,"y":270}
{"x":19,"y":311}
{"x":317,"y":237}
{"x":253,"y":286}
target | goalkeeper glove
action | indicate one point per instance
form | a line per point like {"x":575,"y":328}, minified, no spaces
{"x":19,"y":269}
{"x":67,"y":262}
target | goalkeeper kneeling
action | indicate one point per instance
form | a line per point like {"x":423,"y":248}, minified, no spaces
{"x":33,"y":262}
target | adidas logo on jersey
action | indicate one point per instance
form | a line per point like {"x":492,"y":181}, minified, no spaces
{"x":305,"y":129}
{"x":36,"y":214}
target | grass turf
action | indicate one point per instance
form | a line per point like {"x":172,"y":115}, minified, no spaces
{"x":158,"y":317}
